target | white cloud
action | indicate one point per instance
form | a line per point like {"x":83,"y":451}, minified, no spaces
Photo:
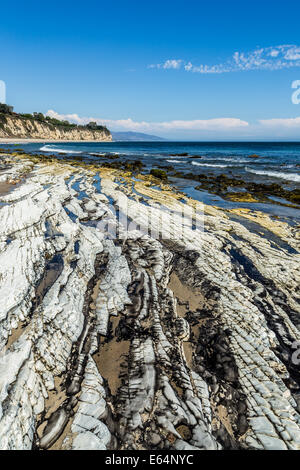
{"x":219,"y":124}
{"x":168,"y":64}
{"x":2,"y":92}
{"x":198,"y":128}
{"x":206,"y":69}
{"x":274,"y":53}
{"x":268,"y":58}
{"x":172,"y":64}
{"x":202,"y":124}
{"x":188,"y":66}
{"x":290,"y":123}
{"x":293,"y":53}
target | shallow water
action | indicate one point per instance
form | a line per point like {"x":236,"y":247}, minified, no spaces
{"x":276,"y":163}
{"x":187,"y":187}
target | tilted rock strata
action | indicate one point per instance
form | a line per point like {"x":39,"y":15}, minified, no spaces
{"x":16,"y":127}
{"x":134,"y":342}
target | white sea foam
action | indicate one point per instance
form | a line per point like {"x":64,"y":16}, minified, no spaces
{"x":177,"y":156}
{"x":47,"y":148}
{"x":276,"y":174}
{"x":228,"y":159}
{"x":210,"y":164}
{"x":176,"y":161}
{"x":236,"y":160}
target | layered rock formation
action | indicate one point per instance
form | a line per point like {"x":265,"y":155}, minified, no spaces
{"x":181,"y":338}
{"x":13,"y":126}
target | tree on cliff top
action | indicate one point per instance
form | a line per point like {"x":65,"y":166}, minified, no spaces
{"x":6,"y":109}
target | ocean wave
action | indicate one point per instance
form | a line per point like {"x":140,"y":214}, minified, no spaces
{"x":284,"y":165}
{"x":47,"y":148}
{"x":227,"y":159}
{"x":276,"y":174}
{"x":210,"y":164}
{"x":236,"y":160}
{"x":177,"y":156}
{"x":176,"y":161}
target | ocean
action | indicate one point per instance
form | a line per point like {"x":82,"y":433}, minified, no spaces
{"x":276,"y":162}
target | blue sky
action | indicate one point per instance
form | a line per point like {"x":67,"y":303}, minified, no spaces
{"x":184,"y":70}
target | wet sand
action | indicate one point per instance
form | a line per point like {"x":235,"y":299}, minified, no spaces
{"x":5,"y":188}
{"x":110,"y":356}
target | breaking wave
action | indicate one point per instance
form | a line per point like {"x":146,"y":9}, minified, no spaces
{"x":210,"y":164}
{"x":47,"y":148}
{"x":276,"y":174}
{"x":229,"y":159}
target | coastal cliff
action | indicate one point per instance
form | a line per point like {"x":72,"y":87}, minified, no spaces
{"x":17,"y":126}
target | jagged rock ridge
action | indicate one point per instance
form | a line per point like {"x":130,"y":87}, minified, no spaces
{"x":182,"y":342}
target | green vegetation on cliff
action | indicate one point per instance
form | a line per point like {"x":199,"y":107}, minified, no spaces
{"x":6,"y":110}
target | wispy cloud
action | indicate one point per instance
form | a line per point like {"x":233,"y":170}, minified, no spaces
{"x":198,"y":128}
{"x":267,"y":58}
{"x":2,"y":92}
{"x":218,"y":124}
{"x":168,"y":64}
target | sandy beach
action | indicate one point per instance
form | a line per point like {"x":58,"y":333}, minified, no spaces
{"x":44,"y":141}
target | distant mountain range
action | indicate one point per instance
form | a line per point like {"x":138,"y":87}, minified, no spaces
{"x":135,"y":136}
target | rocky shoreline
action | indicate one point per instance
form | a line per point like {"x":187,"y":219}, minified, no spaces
{"x":184,"y":340}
